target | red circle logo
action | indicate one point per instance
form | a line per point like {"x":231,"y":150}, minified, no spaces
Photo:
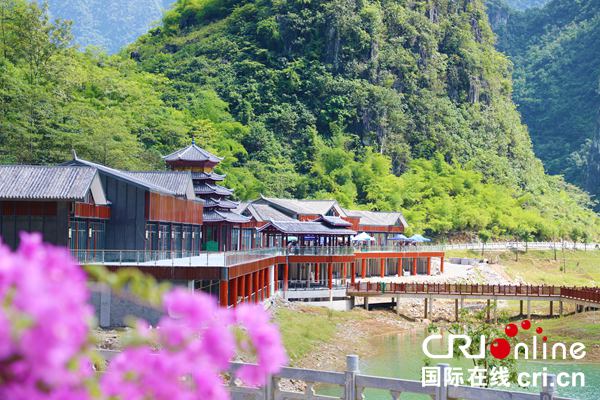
{"x":511,"y":330}
{"x":500,"y":348}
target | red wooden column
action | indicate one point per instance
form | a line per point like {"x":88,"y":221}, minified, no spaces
{"x":353,"y":272}
{"x":285,"y":276}
{"x":276,"y":277}
{"x":414,"y":268}
{"x":233,"y":292}
{"x":317,"y":270}
{"x":268,"y":280}
{"x":400,"y":271}
{"x":249,"y":287}
{"x":344,"y":272}
{"x":428,"y":265}
{"x":442,"y":265}
{"x":256,"y":286}
{"x":263,"y":284}
{"x":382,"y":267}
{"x":330,"y":275}
{"x":242,"y":286}
{"x":363,"y":268}
{"x":223,"y":293}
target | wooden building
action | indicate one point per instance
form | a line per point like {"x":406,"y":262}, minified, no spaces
{"x":224,"y":229}
{"x":151,"y":211}
{"x":67,"y":205}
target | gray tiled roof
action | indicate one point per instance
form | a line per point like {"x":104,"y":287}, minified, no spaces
{"x":207,"y":188}
{"x":177,"y":182}
{"x":32,"y":182}
{"x":377,"y":218}
{"x":207,"y":175}
{"x":222,"y":203}
{"x":210,"y":215}
{"x":120,"y":175}
{"x":264,"y":212}
{"x":334,"y":221}
{"x":192,"y":153}
{"x":311,"y":207}
{"x":306,"y":228}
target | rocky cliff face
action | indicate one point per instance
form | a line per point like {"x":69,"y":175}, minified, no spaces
{"x":593,"y":164}
{"x":109,"y":24}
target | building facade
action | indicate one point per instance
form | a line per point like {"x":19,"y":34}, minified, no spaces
{"x":223,"y":229}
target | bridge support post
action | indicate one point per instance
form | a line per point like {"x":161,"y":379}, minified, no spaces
{"x":551,"y":308}
{"x":352,"y":302}
{"x":528,"y":309}
{"x":366,"y":302}
{"x":520,"y":308}
{"x":560,"y":308}
{"x":353,"y":272}
{"x":462,"y":302}
{"x":397,"y":305}
{"x":456,"y":310}
{"x":425,"y":308}
{"x":488,"y":310}
{"x":431,"y":308}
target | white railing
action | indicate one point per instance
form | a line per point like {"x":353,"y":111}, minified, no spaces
{"x":352,"y":385}
{"x":182,"y":258}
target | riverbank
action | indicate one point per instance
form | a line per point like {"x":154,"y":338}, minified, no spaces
{"x":316,"y":337}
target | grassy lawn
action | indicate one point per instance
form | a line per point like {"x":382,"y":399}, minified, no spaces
{"x":539,"y":266}
{"x":583,"y":327}
{"x":306,"y":327}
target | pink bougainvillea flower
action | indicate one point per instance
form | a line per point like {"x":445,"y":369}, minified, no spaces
{"x":44,"y":323}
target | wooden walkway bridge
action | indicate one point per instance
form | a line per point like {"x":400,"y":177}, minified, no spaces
{"x":581,"y":296}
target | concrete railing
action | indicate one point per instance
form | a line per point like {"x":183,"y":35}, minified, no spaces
{"x":352,"y":385}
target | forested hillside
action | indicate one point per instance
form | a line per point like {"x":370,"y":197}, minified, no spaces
{"x":525,"y":4}
{"x":381,"y":106}
{"x":109,"y":24}
{"x":556,"y":56}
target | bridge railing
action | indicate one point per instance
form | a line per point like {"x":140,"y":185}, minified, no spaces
{"x":351,"y":385}
{"x":455,"y":288}
{"x":577,"y":293}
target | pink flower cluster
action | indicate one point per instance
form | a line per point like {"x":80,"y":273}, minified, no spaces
{"x":45,"y":322}
{"x":196,"y":344}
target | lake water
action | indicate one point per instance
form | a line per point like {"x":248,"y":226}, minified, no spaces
{"x":400,"y":356}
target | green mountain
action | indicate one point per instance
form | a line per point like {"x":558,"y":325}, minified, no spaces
{"x":410,"y":79}
{"x":109,"y":24}
{"x":556,"y":56}
{"x":525,"y":4}
{"x":382,"y":106}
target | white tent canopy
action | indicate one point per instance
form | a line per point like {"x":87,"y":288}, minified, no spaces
{"x":363,"y":237}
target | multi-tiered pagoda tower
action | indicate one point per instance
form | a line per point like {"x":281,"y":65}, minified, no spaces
{"x":222,"y":229}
